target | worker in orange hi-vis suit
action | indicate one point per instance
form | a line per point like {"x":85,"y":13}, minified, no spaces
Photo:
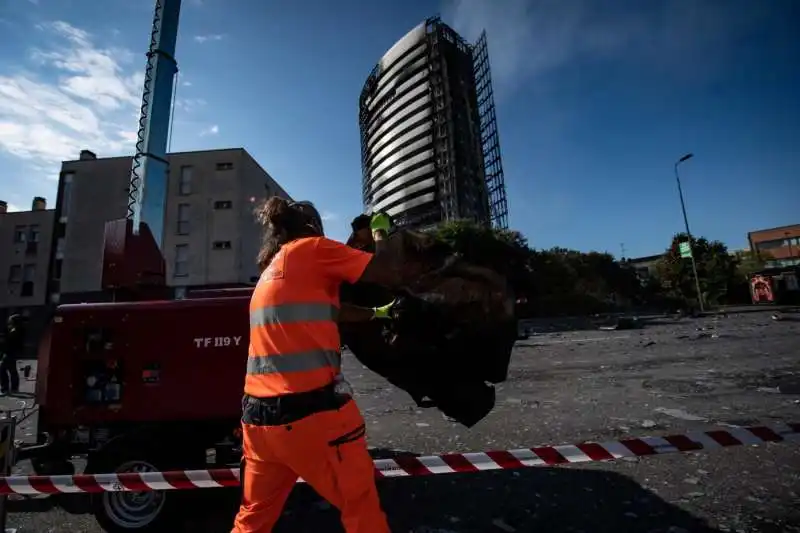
{"x":299,"y":418}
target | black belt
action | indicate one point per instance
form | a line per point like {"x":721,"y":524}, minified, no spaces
{"x":288,"y":408}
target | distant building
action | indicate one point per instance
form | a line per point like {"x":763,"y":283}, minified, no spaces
{"x":781,"y":245}
{"x":211,"y":238}
{"x":429,"y":145}
{"x":645,"y":267}
{"x":25,"y":240}
{"x":25,"y":243}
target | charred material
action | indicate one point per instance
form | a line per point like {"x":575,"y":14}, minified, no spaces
{"x":452,"y":333}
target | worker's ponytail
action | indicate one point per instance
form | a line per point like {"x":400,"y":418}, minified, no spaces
{"x":281,"y":224}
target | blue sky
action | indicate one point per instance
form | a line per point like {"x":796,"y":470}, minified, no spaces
{"x":594,"y":103}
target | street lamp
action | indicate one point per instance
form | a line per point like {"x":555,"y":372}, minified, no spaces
{"x":689,"y":233}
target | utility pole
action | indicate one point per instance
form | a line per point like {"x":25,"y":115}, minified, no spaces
{"x":689,"y":233}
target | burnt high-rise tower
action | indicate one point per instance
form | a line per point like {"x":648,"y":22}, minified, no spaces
{"x":429,"y":145}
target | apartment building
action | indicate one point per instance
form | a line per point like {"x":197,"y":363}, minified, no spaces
{"x":210,"y":237}
{"x":781,"y":245}
{"x":25,"y":240}
{"x":429,"y":145}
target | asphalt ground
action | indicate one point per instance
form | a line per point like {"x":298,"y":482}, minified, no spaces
{"x":566,"y":387}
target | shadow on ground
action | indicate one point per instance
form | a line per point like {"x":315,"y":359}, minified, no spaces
{"x":535,"y":499}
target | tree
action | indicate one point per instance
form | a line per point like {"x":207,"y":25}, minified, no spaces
{"x":504,"y":251}
{"x":551,"y":282}
{"x":750,"y":262}
{"x":716,"y":270}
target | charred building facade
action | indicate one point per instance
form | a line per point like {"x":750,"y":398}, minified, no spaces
{"x":430,"y":150}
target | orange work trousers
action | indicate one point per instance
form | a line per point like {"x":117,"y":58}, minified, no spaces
{"x":344,"y":474}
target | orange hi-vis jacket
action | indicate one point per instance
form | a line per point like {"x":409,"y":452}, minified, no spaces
{"x":294,"y":338}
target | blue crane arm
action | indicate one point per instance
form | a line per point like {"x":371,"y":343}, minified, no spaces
{"x":147,"y":190}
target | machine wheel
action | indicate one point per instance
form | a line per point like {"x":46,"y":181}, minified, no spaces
{"x":143,"y":512}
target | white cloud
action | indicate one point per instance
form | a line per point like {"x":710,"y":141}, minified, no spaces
{"x":532,"y":38}
{"x":187,"y":84}
{"x":210,"y":37}
{"x":14,"y":207}
{"x":328,"y":216}
{"x":189,"y":105}
{"x":89,"y":98}
{"x":213,"y":130}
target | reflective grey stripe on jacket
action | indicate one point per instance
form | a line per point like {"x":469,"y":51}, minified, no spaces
{"x":292,"y":312}
{"x":294,"y":362}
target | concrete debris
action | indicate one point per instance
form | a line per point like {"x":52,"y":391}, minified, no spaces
{"x":500,"y":524}
{"x":648,"y":424}
{"x":623,"y":323}
{"x":771,"y":390}
{"x":680,"y":414}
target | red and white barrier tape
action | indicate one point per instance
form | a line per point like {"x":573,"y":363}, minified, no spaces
{"x":450,"y":463}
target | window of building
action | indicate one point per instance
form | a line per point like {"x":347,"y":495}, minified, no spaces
{"x":222,"y":245}
{"x":185,"y":181}
{"x":778,"y":243}
{"x":181,"y":260}
{"x":28,"y":273}
{"x":223,"y":204}
{"x":28,"y":276}
{"x":224,"y":166}
{"x":60,"y":244}
{"x":769,"y":245}
{"x":15,"y":274}
{"x":183,"y":219}
{"x":66,"y":195}
{"x":33,"y":239}
{"x":19,"y":234}
{"x":33,"y":233}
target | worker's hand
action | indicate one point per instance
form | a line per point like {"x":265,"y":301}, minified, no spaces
{"x":380,"y":222}
{"x":383,"y":311}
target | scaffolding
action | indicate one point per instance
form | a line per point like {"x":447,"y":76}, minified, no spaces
{"x":490,"y":138}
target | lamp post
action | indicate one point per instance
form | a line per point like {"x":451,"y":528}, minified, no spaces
{"x":689,"y":233}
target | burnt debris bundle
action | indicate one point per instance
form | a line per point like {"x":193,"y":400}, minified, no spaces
{"x":452,"y":333}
